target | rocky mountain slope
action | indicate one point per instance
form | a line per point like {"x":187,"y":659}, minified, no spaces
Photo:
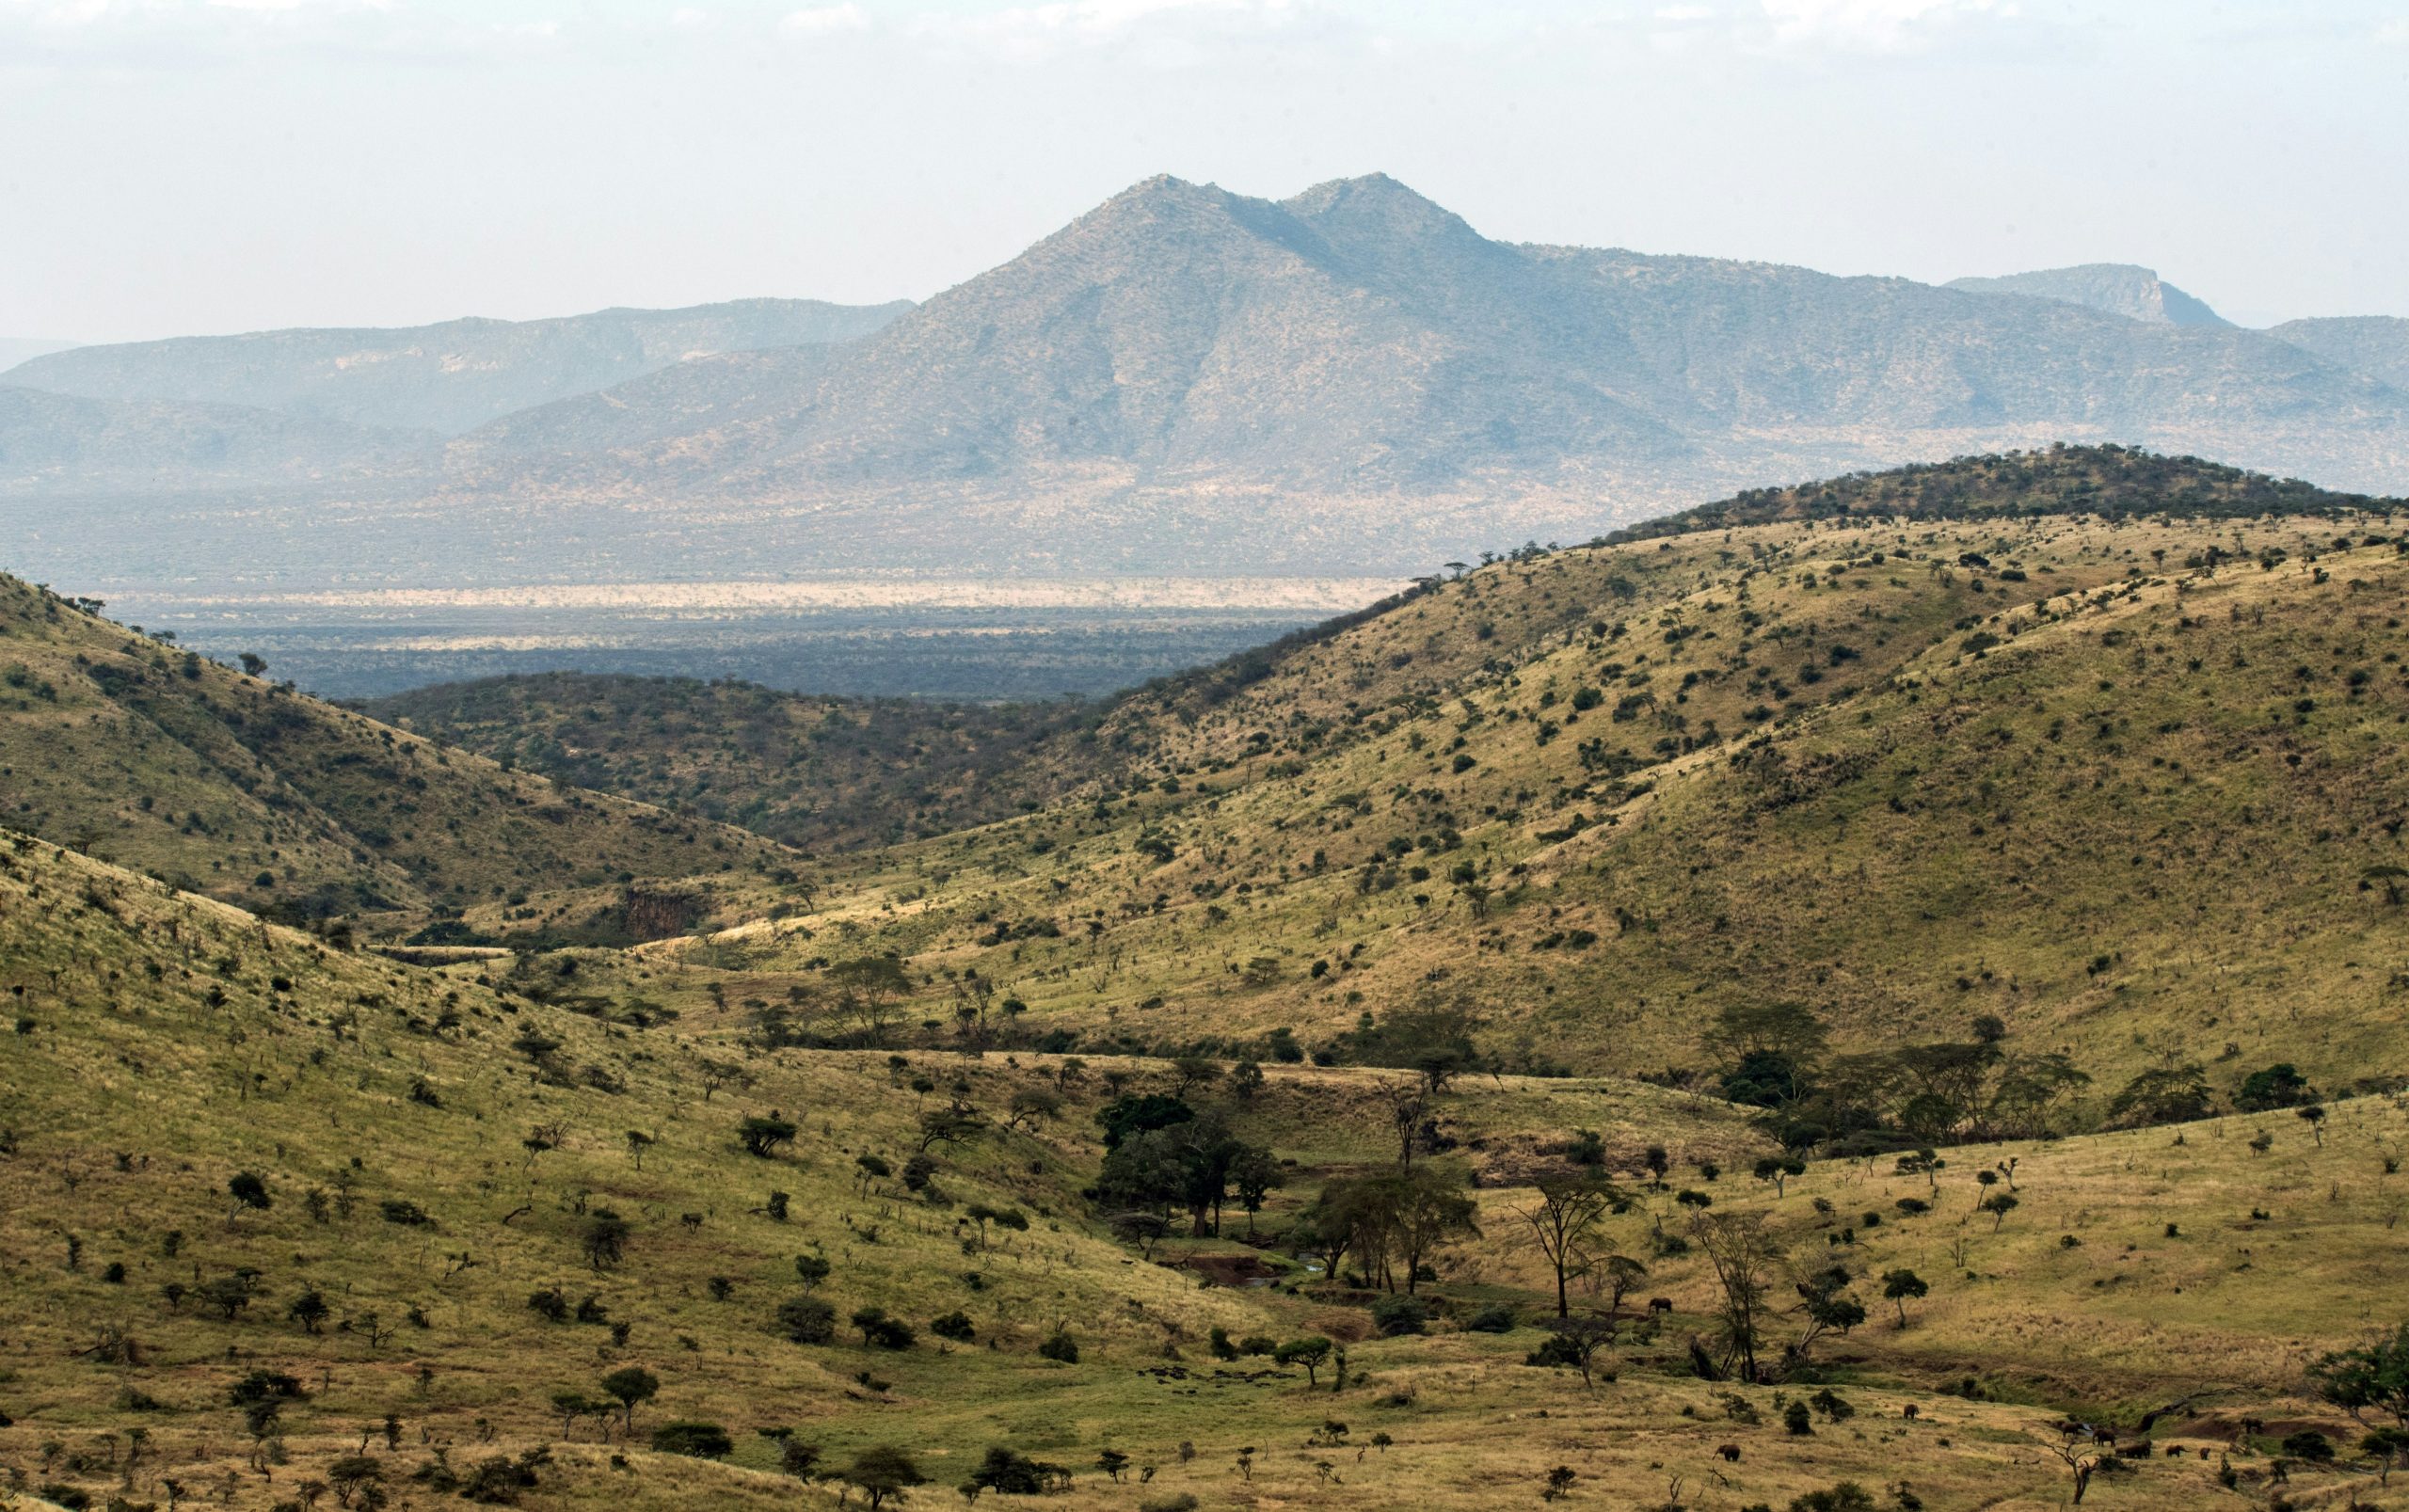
{"x":1350,"y":379}
{"x":2377,"y":345}
{"x":2117,"y":288}
{"x":1183,"y":369}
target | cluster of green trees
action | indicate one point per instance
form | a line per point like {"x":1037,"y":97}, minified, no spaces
{"x":1391,"y":1225}
{"x":1162,"y":1156}
{"x":1776,"y":1057}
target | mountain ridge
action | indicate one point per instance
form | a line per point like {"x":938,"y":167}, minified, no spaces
{"x":446,"y":377}
{"x":2117,"y":288}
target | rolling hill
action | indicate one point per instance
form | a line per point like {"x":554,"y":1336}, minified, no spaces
{"x":803,"y":770}
{"x":231,"y":786}
{"x":2128,"y":782}
{"x":1967,"y":900}
{"x":287,"y":1223}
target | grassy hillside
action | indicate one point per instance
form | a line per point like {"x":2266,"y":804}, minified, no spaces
{"x":226,"y":784}
{"x":2131,"y":786}
{"x":435,"y":1156}
{"x":803,"y":770}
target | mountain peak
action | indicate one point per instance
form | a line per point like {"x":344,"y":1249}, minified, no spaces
{"x":2123,"y":289}
{"x":1376,"y":199}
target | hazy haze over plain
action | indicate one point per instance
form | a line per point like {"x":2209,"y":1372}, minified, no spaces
{"x":174,"y":167}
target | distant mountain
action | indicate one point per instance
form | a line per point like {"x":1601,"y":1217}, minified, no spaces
{"x":1349,"y":380}
{"x":1354,"y":374}
{"x":2117,"y":288}
{"x":51,"y":439}
{"x":2376,"y":345}
{"x":446,"y":379}
{"x":16,"y":349}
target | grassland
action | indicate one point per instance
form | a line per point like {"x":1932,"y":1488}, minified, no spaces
{"x":2122,"y":786}
{"x":209,"y":1045}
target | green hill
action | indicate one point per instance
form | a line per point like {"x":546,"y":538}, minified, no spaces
{"x":222,"y":783}
{"x":806,"y":770}
{"x":2131,"y":786}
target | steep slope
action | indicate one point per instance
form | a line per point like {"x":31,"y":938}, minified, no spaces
{"x":2377,"y":345}
{"x":448,"y":378}
{"x":229,"y":785}
{"x":2117,"y":288}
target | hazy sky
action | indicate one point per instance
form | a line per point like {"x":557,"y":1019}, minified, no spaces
{"x":171,"y":167}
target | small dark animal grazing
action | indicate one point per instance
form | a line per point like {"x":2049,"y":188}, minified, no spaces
{"x":1660,"y":1304}
{"x":1730,"y":1453}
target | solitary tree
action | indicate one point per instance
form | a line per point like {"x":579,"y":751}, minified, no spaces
{"x":2388,"y":1448}
{"x":1574,"y":1341}
{"x":765,"y":1137}
{"x":884,"y":1474}
{"x":1901,"y":1285}
{"x":628,"y":1385}
{"x":1255,"y":1173}
{"x":1564,"y":1220}
{"x":1425,"y":1210}
{"x":308,"y":1310}
{"x":1999,"y":1205}
{"x":1310,"y":1352}
{"x":2313,"y":1116}
{"x":2372,"y":1376}
{"x":1743,"y":1254}
{"x":1778,"y":1169}
{"x":1617,"y":1275}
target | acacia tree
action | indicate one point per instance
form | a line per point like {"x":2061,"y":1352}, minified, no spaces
{"x":1255,"y":1173}
{"x":1900,"y":1286}
{"x":1310,"y":1352}
{"x":868,"y":992}
{"x":1564,"y":1222}
{"x":1617,"y":1276}
{"x":765,"y":1137}
{"x":884,"y":1474}
{"x":1574,"y":1341}
{"x":627,"y":1386}
{"x":2374,"y":1376}
{"x":1745,"y":1257}
{"x":1342,"y":1219}
{"x":1423,"y":1211}
{"x":1778,"y":1169}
